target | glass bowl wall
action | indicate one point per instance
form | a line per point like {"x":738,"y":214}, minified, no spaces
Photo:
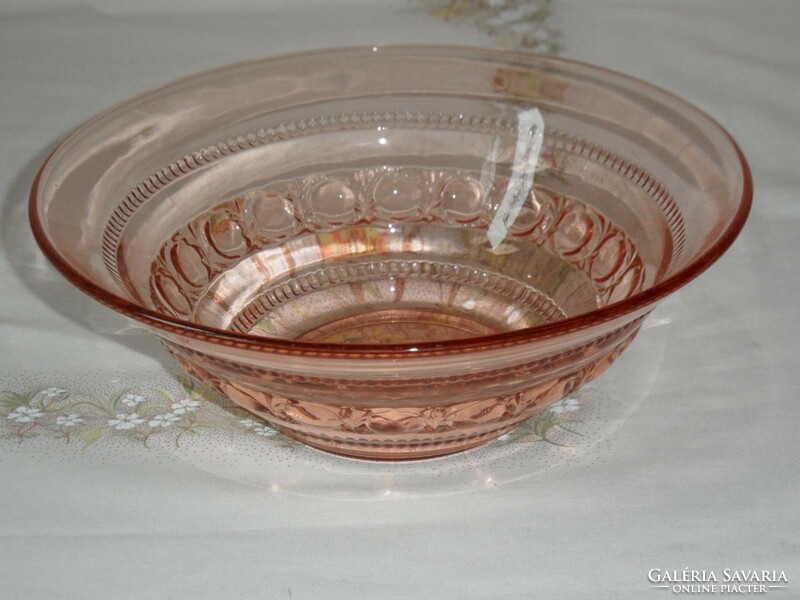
{"x":308,"y":233}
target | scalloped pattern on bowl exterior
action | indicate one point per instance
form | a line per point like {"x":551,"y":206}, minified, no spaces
{"x":390,"y":430}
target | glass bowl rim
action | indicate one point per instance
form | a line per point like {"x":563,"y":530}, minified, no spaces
{"x":636,"y":302}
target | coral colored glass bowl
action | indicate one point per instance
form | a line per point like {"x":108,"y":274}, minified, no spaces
{"x":387,"y":252}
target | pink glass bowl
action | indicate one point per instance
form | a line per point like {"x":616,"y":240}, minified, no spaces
{"x":310,"y":234}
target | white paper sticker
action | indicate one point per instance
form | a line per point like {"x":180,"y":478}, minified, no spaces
{"x":530,"y":137}
{"x":489,"y":168}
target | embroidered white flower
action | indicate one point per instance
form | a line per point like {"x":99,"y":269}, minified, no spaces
{"x":565,"y":406}
{"x":69,"y":420}
{"x":52,"y":392}
{"x":186,"y":405}
{"x":132,"y":400}
{"x":264,"y":430}
{"x":25,"y":414}
{"x":248,"y":423}
{"x":512,"y":15}
{"x":124,"y":421}
{"x":164,"y":420}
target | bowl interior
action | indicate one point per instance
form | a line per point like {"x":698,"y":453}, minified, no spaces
{"x":395,"y":196}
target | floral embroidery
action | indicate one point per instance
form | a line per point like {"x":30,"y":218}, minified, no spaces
{"x":69,"y":420}
{"x":264,"y":430}
{"x":542,"y":427}
{"x":184,"y":406}
{"x":124,"y":421}
{"x":512,"y":23}
{"x":566,"y":405}
{"x":86,"y":419}
{"x":25,"y":414}
{"x":164,"y":420}
{"x":138,"y":414}
{"x":132,"y":400}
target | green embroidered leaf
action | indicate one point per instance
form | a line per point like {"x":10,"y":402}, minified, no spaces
{"x":90,"y":436}
{"x":13,"y":400}
{"x":116,"y":398}
{"x":547,"y":420}
{"x":201,"y":391}
{"x":165,"y":395}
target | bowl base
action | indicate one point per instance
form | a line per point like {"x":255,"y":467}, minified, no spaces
{"x":398,"y":326}
{"x":407,"y":427}
{"x":394,"y":296}
{"x":397,"y":452}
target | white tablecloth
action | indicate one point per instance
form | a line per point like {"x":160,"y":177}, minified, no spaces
{"x":688,"y":456}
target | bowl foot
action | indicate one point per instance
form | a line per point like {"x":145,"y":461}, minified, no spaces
{"x":395,"y":326}
{"x":401,"y":430}
{"x":396,"y":452}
